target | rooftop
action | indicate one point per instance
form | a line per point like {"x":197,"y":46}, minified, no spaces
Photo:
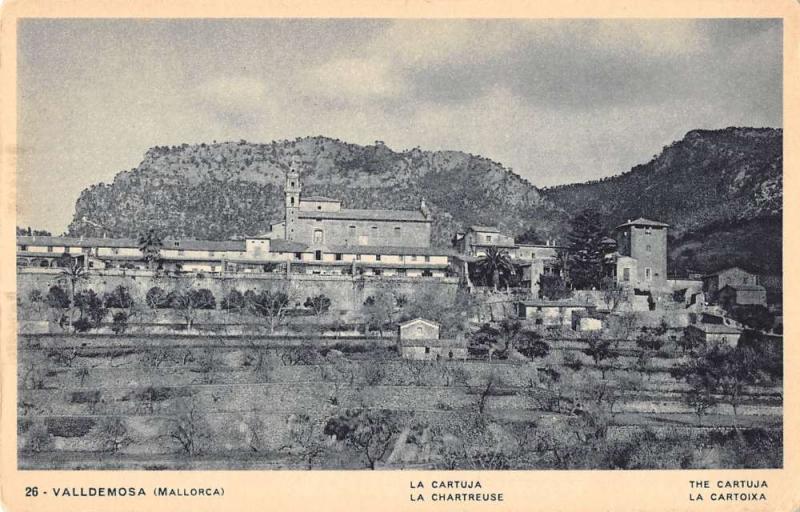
{"x":385,"y":249}
{"x":485,"y":229}
{"x":168,"y":243}
{"x":319,"y":199}
{"x":376,"y":215}
{"x":745,"y":287}
{"x":418,"y":320}
{"x":717,"y":329}
{"x":641,"y":221}
{"x":557,"y":303}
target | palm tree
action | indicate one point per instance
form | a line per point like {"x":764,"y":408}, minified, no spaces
{"x":150,"y":244}
{"x":494,"y":266}
{"x":72,"y":274}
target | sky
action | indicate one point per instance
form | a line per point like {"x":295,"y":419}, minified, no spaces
{"x":557,"y":101}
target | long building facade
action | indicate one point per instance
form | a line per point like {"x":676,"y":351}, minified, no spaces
{"x":317,"y":236}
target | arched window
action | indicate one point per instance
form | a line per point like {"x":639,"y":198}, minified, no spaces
{"x":318,"y":236}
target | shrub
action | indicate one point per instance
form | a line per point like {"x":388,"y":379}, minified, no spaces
{"x":120,"y":322}
{"x":69,"y":426}
{"x":648,"y":341}
{"x":57,"y":298}
{"x":82,"y":325}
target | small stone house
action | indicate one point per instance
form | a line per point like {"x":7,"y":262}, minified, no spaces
{"x":713,"y":283}
{"x":711,"y":333}
{"x":419,"y":339}
{"x":552,"y":313}
{"x":742,"y":295}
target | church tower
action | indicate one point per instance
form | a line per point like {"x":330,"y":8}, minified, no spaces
{"x":291,"y":192}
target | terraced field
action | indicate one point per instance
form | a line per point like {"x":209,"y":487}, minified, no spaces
{"x":108,"y":401}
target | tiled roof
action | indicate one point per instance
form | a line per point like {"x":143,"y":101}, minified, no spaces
{"x":416,"y":320}
{"x":384,"y":249}
{"x":745,"y":287}
{"x":557,"y":303}
{"x":191,"y":245}
{"x":726,"y":269}
{"x":717,"y":329}
{"x":485,"y":229}
{"x":433,"y":342}
{"x":320,"y":199}
{"x":280,"y":245}
{"x":60,"y":241}
{"x":377,"y":215}
{"x":641,"y":221}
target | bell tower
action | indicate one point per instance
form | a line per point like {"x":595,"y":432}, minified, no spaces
{"x":291,"y":192}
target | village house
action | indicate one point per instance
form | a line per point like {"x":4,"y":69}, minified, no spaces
{"x":531,"y":260}
{"x":716,"y":281}
{"x":419,"y":339}
{"x":742,"y":295}
{"x":715,"y":333}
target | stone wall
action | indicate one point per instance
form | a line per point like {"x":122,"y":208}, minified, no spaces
{"x":347,"y":293}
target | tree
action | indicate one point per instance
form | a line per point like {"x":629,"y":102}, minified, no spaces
{"x":113,"y":434}
{"x":585,"y":250}
{"x":600,"y":349}
{"x":57,"y":298}
{"x":156,"y":298}
{"x":150,"y":244}
{"x":188,"y":302}
{"x":270,"y":305}
{"x":72,"y":275}
{"x":614,"y":295}
{"x":495,"y":267}
{"x":718,"y":368}
{"x":377,"y":310}
{"x":91,"y":309}
{"x":319,"y":304}
{"x":188,"y":428}
{"x":118,"y":298}
{"x":35,"y":297}
{"x":370,"y":432}
{"x":233,"y":301}
{"x":120,"y":322}
{"x":553,"y":287}
{"x":530,"y":236}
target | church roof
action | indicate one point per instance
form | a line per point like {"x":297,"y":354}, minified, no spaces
{"x":320,"y":199}
{"x":641,"y":221}
{"x":358,"y":214}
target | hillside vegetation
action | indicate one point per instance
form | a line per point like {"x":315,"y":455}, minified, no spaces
{"x":224,"y":190}
{"x":720,"y":190}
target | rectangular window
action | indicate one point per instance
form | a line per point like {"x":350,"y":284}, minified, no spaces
{"x":318,"y":255}
{"x":427,"y":259}
{"x":213,"y":268}
{"x":49,"y":248}
{"x":401,"y":271}
{"x":23,"y":247}
{"x":85,"y":250}
{"x":647,"y":274}
{"x":397,"y":232}
{"x":648,"y":248}
{"x":180,"y":252}
{"x":351,"y":231}
{"x":377,"y":271}
{"x":358,"y":257}
{"x":626,"y":274}
{"x":488,"y":238}
{"x":377,"y":257}
{"x":338,"y":257}
{"x":115,"y":250}
{"x":298,"y":255}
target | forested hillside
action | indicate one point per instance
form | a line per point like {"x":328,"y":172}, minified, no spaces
{"x":720,"y":190}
